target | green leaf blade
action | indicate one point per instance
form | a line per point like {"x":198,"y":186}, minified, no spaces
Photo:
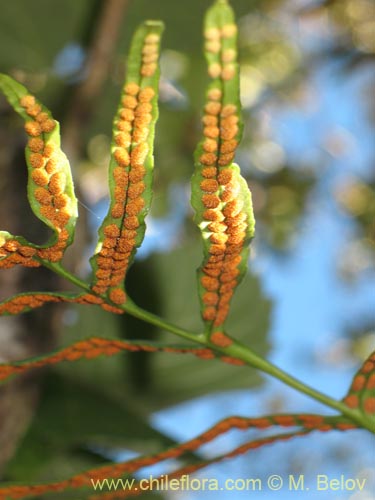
{"x":50,"y":188}
{"x":220,"y":195}
{"x":361,"y":395}
{"x":131,"y":166}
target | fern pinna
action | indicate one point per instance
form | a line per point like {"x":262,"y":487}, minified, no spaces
{"x":223,"y":212}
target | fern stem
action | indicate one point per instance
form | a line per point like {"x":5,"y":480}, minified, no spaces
{"x":235,"y":349}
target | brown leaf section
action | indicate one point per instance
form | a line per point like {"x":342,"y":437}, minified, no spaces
{"x":94,"y":347}
{"x":308,"y":421}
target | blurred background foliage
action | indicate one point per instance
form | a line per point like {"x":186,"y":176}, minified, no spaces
{"x":87,"y":411}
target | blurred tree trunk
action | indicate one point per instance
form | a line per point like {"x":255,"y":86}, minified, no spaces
{"x":33,"y":333}
{"x":29,"y":334}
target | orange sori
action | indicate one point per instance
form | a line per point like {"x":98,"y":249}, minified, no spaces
{"x":49,"y":186}
{"x":223,"y":212}
{"x":130,"y":154}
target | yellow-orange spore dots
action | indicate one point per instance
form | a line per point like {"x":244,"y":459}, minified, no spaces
{"x":36,"y":144}
{"x":43,"y":196}
{"x":368,"y":367}
{"x":221,"y":315}
{"x":146,"y":94}
{"x":228,"y":55}
{"x":217,"y":227}
{"x":208,"y":159}
{"x":225,"y":176}
{"x":228,"y":146}
{"x":210,"y":145}
{"x":49,"y":150}
{"x":48,"y":125}
{"x":213,"y":108}
{"x":148,"y":69}
{"x":40,"y":177}
{"x":121,"y":177}
{"x":103,"y":273}
{"x":131,"y":88}
{"x":352,"y":401}
{"x":135,"y":190}
{"x":121,"y":157}
{"x":230,"y":192}
{"x":370,"y":385}
{"x":143,"y":109}
{"x":36,"y":160}
{"x":233,"y":208}
{"x":229,"y":31}
{"x":228,"y":72}
{"x":210,"y":284}
{"x":143,"y":120}
{"x":213,"y":215}
{"x":48,"y":212}
{"x":209,"y":172}
{"x":42,"y":117}
{"x":214,"y":259}
{"x":111,"y":309}
{"x":214,"y":272}
{"x":212,"y":34}
{"x":104,"y":262}
{"x":214,"y":70}
{"x":210,"y":121}
{"x":129,"y":102}
{"x":228,"y":133}
{"x":140,"y":134}
{"x":210,"y":298}
{"x":61,"y":200}
{"x":211,"y":132}
{"x":210,"y":200}
{"x":139,"y":154}
{"x":228,"y":110}
{"x":117,"y":295}
{"x":232,"y":263}
{"x":213,"y":46}
{"x":209,"y":185}
{"x":209,"y":314}
{"x":129,"y":234}
{"x":26,"y":251}
{"x":112,"y":231}
{"x":214,"y":94}
{"x":369,"y":405}
{"x":34,"y":110}
{"x":218,"y":238}
{"x":51,"y":166}
{"x":107,"y":252}
{"x":217,"y":249}
{"x":134,"y":207}
{"x":110,"y":242}
{"x":226,"y":159}
{"x":127,"y":115}
{"x":229,"y":276}
{"x":125,"y":246}
{"x":237,"y":221}
{"x":117,"y":210}
{"x":120,"y":194}
{"x":237,"y":238}
{"x":33,"y":129}
{"x":27,"y":101}
{"x":62,"y":217}
{"x":137,"y":174}
{"x":123,"y":139}
{"x":57,"y":183}
{"x":221,"y":340}
{"x":152,"y":38}
{"x":124,"y":126}
{"x":131,"y":222}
